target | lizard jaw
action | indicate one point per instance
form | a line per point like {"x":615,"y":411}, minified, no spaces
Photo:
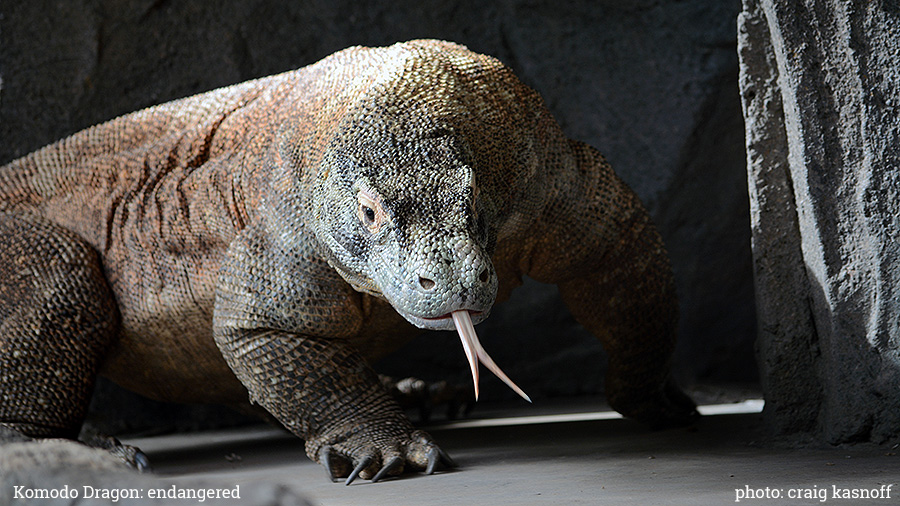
{"x":475,"y":352}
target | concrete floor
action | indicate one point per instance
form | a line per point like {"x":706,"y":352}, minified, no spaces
{"x":560,"y":455}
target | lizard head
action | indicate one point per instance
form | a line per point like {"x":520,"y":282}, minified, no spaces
{"x":410,"y":227}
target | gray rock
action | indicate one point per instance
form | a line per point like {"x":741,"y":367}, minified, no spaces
{"x":57,"y":471}
{"x":821,"y":90}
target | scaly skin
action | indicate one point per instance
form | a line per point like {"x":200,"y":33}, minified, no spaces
{"x":275,"y":237}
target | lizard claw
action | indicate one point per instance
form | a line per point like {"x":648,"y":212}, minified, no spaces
{"x":433,"y":458}
{"x":141,"y":461}
{"x":391,"y":465}
{"x":326,"y":459}
{"x":436,"y":455}
{"x":363,"y":463}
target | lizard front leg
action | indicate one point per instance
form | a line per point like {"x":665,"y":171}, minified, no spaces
{"x":282,"y":319}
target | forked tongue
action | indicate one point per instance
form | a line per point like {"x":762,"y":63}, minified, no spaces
{"x":474,"y":352}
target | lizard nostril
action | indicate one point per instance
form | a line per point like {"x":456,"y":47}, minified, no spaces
{"x":484,"y":275}
{"x":426,"y":283}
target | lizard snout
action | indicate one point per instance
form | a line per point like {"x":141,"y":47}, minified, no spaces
{"x":459,"y":276}
{"x":449,"y":274}
{"x":429,"y":284}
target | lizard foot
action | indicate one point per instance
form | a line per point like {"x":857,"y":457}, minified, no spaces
{"x":669,"y":407}
{"x":132,"y":457}
{"x":378,"y":459}
{"x":424,"y":396}
{"x":65,"y":447}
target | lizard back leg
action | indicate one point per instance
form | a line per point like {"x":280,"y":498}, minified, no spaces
{"x":631,"y":307}
{"x":57,"y":318}
{"x":614,"y":274}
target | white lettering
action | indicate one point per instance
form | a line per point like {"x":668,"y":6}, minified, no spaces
{"x":200,"y":494}
{"x":114,"y":495}
{"x":66,"y":492}
{"x":111,"y":494}
{"x":808,"y":493}
{"x":757,"y":493}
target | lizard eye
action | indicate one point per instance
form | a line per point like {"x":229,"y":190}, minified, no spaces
{"x":369,"y":215}
{"x":370,"y":212}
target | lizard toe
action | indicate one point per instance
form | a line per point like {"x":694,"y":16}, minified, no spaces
{"x":362,"y":466}
{"x":336,"y":465}
{"x":382,"y":458}
{"x":351,"y":460}
{"x":392,"y":467}
{"x":424,"y":454}
{"x":132,"y":456}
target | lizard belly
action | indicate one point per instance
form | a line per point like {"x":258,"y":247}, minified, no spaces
{"x":166,"y":349}
{"x":175,"y":362}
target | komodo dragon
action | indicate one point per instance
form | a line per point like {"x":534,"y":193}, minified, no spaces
{"x":275,"y":237}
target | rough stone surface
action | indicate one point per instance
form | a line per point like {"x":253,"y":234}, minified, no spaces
{"x":53,"y":472}
{"x":821,"y":91}
{"x":786,"y":343}
{"x":649,"y":83}
{"x":61,"y":471}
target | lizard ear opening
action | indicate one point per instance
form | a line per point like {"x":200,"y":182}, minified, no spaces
{"x":370,"y":211}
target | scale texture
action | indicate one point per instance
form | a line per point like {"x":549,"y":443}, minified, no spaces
{"x":270,"y":240}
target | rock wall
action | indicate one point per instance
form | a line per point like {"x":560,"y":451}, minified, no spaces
{"x":820,"y":85}
{"x":652,"y":84}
